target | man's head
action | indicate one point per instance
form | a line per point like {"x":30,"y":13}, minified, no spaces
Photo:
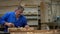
{"x":19,"y":10}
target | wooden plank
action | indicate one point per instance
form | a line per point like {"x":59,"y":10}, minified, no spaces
{"x":42,"y":8}
{"x":36,"y":32}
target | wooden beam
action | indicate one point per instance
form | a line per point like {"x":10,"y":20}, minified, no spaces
{"x":42,"y":8}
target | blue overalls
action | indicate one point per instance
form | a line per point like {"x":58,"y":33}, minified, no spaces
{"x":11,"y":18}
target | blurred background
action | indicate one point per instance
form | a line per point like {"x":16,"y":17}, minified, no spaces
{"x":41,"y":14}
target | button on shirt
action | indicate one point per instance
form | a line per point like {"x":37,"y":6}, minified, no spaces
{"x":11,"y":18}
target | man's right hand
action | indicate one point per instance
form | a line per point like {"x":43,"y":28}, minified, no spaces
{"x":9,"y":24}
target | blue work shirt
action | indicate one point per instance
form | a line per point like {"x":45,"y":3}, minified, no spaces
{"x":10,"y":17}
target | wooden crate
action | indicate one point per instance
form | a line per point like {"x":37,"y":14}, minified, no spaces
{"x":43,"y":32}
{"x":57,"y":31}
{"x":21,"y":32}
{"x":18,"y":31}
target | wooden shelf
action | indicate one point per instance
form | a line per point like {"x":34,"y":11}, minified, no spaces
{"x":32,"y":18}
{"x":33,"y":25}
{"x":26,"y":6}
{"x":28,"y":14}
{"x":32,"y":15}
{"x":8,"y":6}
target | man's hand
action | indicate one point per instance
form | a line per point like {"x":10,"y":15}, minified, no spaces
{"x":9,"y":24}
{"x":27,"y":26}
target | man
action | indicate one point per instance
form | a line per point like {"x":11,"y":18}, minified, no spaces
{"x":14,"y":19}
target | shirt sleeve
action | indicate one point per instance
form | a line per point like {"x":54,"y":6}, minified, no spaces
{"x":4,"y":18}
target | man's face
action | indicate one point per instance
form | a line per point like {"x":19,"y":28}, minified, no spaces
{"x":19,"y":12}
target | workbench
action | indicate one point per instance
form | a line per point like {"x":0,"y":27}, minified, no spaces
{"x":18,"y":31}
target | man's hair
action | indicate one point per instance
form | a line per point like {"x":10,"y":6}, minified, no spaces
{"x":20,"y":8}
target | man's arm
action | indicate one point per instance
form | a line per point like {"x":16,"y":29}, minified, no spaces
{"x":4,"y":20}
{"x":25,"y":23}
